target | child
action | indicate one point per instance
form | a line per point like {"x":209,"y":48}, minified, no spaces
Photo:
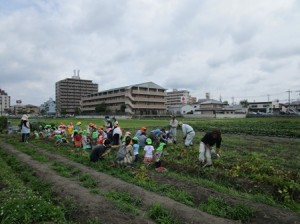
{"x":158,"y":154}
{"x":70,"y":129}
{"x":136,"y":146}
{"x":84,"y":141}
{"x":95,"y":135}
{"x":129,"y":156}
{"x":77,"y":139}
{"x":148,"y":151}
{"x":60,"y":138}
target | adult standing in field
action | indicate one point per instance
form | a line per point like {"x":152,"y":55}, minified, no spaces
{"x":188,"y":134}
{"x":206,"y":144}
{"x":99,"y":150}
{"x":117,"y":134}
{"x":108,"y":122}
{"x":25,"y":128}
{"x":173,"y":128}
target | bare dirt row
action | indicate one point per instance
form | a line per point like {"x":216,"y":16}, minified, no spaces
{"x":93,"y":206}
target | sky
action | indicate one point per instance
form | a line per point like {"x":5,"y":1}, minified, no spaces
{"x":231,"y":49}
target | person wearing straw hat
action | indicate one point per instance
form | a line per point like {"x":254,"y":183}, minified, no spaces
{"x":25,"y":128}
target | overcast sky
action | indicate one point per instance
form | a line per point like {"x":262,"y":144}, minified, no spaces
{"x":233,"y":49}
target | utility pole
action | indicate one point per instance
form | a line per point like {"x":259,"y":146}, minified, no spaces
{"x":289,"y":92}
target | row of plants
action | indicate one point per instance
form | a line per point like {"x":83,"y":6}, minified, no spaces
{"x":270,"y":169}
{"x":24,"y":198}
{"x":34,"y":203}
{"x":141,"y":178}
{"x":278,"y":127}
{"x":264,"y":170}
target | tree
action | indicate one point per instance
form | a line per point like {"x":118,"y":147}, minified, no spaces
{"x":244,"y":103}
{"x":123,"y":107}
{"x":63,"y":111}
{"x":100,"y":108}
{"x":77,"y":111}
{"x":225,"y":102}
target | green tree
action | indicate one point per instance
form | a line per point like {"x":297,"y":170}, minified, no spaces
{"x":100,"y":108}
{"x":63,"y":111}
{"x":123,"y":107}
{"x":244,"y":103}
{"x":77,"y":111}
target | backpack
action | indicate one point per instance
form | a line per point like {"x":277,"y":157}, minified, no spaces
{"x":121,"y":152}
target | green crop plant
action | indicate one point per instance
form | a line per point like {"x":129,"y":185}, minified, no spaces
{"x":217,"y":206}
{"x":19,"y":203}
{"x":124,"y":201}
{"x":64,"y":170}
{"x":161,"y":215}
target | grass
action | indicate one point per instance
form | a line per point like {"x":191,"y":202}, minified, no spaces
{"x":217,"y":206}
{"x":126,"y":202}
{"x":257,"y":168}
{"x":24,"y":198}
{"x":161,"y":215}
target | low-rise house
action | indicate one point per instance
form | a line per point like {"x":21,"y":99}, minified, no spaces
{"x":210,"y":107}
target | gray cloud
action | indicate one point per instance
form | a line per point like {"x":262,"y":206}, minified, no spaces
{"x":226,"y":48}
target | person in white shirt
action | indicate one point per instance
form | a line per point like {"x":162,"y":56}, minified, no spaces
{"x":188,"y":134}
{"x":117,"y":134}
{"x":173,"y":128}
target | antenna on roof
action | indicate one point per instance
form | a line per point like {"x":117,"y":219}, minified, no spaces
{"x":76,"y":76}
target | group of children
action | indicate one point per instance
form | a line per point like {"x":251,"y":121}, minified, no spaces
{"x":90,"y":137}
{"x":129,"y":152}
{"x":152,"y":143}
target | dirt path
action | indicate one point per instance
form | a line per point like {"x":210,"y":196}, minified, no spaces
{"x":263,"y":213}
{"x":89,"y":206}
{"x":92,"y":205}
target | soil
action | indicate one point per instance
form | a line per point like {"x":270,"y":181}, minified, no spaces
{"x":92,"y":206}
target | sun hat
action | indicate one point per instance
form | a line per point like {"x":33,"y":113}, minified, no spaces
{"x":24,"y":117}
{"x":135,"y":138}
{"x":149,"y":141}
{"x":127,"y":133}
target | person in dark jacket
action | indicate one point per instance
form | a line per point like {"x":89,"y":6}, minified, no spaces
{"x":206,"y":146}
{"x":99,"y":150}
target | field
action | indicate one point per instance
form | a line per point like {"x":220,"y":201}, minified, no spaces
{"x":256,"y":179}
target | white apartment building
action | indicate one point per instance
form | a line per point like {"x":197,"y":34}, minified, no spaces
{"x":49,"y":107}
{"x":177,"y":97}
{"x":4,"y":102}
{"x":140,"y":99}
